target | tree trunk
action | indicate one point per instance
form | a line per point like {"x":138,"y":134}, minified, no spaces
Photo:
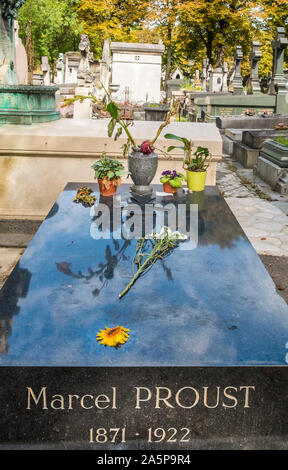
{"x":209,"y":47}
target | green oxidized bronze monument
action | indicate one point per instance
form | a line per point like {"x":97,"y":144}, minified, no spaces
{"x":20,"y":104}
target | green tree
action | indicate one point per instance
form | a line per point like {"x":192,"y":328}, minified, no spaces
{"x":52,"y":26}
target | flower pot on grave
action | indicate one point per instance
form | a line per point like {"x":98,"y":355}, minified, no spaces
{"x":107,"y":190}
{"x":168,"y":188}
{"x":196,"y":180}
{"x":142,"y":168}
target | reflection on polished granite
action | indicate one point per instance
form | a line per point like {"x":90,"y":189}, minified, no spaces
{"x":215,"y":305}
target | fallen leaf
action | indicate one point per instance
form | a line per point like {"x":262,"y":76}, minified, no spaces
{"x":263,"y":238}
{"x":280,"y":287}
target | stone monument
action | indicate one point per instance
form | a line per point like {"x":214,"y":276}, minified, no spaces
{"x":237,"y":81}
{"x":45,"y":67}
{"x":105,"y":65}
{"x":225,"y":78}
{"x":60,"y":69}
{"x":137,"y":66}
{"x":216,"y":80}
{"x":255,"y":56}
{"x":21,"y":62}
{"x":84,"y":80}
{"x":204,"y":74}
{"x":84,"y":75}
{"x":278,"y":82}
{"x":19,"y":103}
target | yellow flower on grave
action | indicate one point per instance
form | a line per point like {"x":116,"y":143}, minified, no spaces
{"x":114,"y":337}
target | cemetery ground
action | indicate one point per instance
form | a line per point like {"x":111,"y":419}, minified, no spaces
{"x":262,"y":213}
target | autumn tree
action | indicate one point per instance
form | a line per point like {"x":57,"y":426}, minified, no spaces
{"x":117,"y":20}
{"x":210,"y":27}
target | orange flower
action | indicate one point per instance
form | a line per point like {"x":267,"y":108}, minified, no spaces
{"x":113,"y":337}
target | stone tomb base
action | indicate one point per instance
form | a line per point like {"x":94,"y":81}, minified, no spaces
{"x":36,"y":162}
{"x":273,"y":174}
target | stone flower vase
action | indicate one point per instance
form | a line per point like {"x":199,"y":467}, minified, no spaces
{"x":142,"y":168}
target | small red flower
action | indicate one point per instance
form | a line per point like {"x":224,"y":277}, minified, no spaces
{"x":146,"y":147}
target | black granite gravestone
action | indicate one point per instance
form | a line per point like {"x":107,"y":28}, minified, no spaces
{"x":204,"y":367}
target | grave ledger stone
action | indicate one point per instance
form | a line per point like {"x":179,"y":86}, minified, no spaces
{"x":205,"y":364}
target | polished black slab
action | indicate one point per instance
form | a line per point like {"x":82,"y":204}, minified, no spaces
{"x":214,"y":305}
{"x":205,"y":366}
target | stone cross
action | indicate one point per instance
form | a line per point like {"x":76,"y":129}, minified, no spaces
{"x":278,"y":79}
{"x":237,"y":81}
{"x":8,"y":11}
{"x":255,"y":56}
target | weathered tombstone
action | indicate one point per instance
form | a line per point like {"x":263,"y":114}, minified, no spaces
{"x":85,"y":81}
{"x":71,"y":61}
{"x":60,"y":69}
{"x":225,"y":78}
{"x":255,"y":56}
{"x":204,"y":74}
{"x":230,"y":78}
{"x":279,"y":83}
{"x":272,"y":165}
{"x":105,"y":65}
{"x":216,"y":80}
{"x":84,"y":75}
{"x":237,"y":81}
{"x":45,"y":67}
{"x":21,"y":63}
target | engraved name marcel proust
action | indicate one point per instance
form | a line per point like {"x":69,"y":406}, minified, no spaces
{"x":143,"y":399}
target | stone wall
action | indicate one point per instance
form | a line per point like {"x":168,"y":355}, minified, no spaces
{"x":37,"y":162}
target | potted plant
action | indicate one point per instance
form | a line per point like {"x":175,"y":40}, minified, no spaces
{"x":142,"y":160}
{"x":108,"y":172}
{"x":196,"y":168}
{"x":172,"y":181}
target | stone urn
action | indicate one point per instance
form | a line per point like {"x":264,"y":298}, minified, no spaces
{"x":142,"y":169}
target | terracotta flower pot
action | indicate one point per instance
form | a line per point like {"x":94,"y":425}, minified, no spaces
{"x":106,"y":191}
{"x":168,"y":188}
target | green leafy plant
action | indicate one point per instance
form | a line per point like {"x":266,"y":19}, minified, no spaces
{"x":108,"y":168}
{"x":282,"y":140}
{"x":109,"y":171}
{"x":199,"y":163}
{"x":173,"y":177}
{"x":201,"y":155}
